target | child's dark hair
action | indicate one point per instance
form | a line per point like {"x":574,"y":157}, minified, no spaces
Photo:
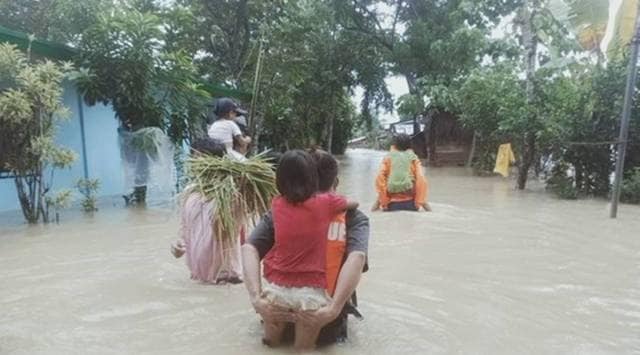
{"x":297,"y":176}
{"x":402,"y":141}
{"x":327,"y":169}
{"x":208,"y":146}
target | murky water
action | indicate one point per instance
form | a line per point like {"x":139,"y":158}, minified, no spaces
{"x":491,"y":271}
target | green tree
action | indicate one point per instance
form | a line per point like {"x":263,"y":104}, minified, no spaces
{"x":310,"y":64}
{"x":126,"y":64}
{"x":30,"y":109}
{"x":433,"y":44}
{"x":307,"y":72}
{"x":55,"y":20}
{"x":583,"y":113}
{"x":490,"y":102}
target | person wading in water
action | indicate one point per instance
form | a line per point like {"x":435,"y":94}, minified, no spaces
{"x":401,"y":184}
{"x":346,"y":259}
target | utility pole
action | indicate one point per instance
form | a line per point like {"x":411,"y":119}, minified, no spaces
{"x":256,"y":88}
{"x":626,"y":115}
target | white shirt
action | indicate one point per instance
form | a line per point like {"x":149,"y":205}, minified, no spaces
{"x":234,"y":155}
{"x":224,"y":130}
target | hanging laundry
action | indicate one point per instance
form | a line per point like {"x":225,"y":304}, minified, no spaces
{"x":504,"y":159}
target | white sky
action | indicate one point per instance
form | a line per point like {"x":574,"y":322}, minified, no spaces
{"x":614,"y":5}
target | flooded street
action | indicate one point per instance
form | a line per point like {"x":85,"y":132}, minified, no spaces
{"x":490,"y":271}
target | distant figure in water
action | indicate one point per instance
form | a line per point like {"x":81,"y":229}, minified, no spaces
{"x":401,"y":184}
{"x":210,"y":258}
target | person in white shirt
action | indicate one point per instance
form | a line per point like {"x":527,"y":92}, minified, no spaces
{"x":225,"y":129}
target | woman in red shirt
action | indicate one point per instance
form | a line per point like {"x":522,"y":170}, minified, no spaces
{"x":295,"y":268}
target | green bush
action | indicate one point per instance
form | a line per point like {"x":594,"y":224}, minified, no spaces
{"x":484,"y":160}
{"x":631,"y":188}
{"x":88,"y":188}
{"x":31,"y":109}
{"x":562,"y":185}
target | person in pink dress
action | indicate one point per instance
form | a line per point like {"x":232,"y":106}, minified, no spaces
{"x":210,"y":258}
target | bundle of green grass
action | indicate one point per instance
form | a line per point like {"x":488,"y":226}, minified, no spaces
{"x":241,"y":190}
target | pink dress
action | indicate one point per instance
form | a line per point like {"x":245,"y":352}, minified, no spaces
{"x":210,"y":259}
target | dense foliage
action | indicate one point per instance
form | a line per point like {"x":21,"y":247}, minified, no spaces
{"x":546,"y":83}
{"x":126,"y":63}
{"x":311,"y":64}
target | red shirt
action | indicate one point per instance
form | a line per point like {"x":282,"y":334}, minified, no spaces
{"x":298,"y":256}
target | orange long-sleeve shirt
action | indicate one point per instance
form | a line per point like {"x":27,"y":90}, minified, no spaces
{"x":419,"y":193}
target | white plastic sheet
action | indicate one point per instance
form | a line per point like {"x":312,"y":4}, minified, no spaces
{"x":147,"y":160}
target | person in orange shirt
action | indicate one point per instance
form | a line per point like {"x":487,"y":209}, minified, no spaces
{"x":401,"y":184}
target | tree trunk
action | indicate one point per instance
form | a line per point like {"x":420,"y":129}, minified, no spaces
{"x":329,"y":127}
{"x":432,"y":138}
{"x":330,"y":134}
{"x":579,"y":177}
{"x":531,"y":46}
{"x":528,"y":156}
{"x":43,"y":208}
{"x":472,"y":151}
{"x":27,"y":208}
{"x":412,"y":83}
{"x":425,"y":137}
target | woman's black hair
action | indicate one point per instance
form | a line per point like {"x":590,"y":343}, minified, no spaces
{"x":402,"y":141}
{"x":208,"y":146}
{"x":327,"y":169}
{"x":297,"y":176}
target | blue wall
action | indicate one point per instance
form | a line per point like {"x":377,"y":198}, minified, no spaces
{"x":102,"y":151}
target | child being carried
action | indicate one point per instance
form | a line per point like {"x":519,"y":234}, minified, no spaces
{"x":295,"y":268}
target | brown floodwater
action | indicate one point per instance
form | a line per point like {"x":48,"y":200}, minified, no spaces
{"x":491,"y":271}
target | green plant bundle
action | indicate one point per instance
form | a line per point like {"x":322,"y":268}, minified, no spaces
{"x":240,"y":190}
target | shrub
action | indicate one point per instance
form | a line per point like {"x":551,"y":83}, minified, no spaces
{"x":631,"y":188}
{"x":562,"y":185}
{"x":88,"y":188}
{"x":31,"y":107}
